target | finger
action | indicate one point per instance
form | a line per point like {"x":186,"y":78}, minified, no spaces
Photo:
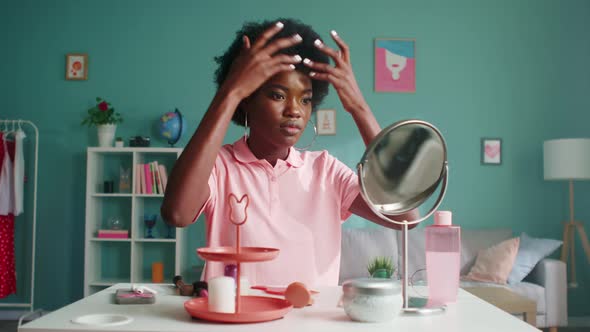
{"x":322,"y":77}
{"x":245,"y":42}
{"x":344,"y":49}
{"x":277,"y":66}
{"x":286,"y":59}
{"x":328,"y":51}
{"x":282,"y":43}
{"x":267,"y":35}
{"x":282,"y":67}
{"x":320,"y":67}
{"x":338,"y":84}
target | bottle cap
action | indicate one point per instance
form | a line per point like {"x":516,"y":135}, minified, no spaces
{"x":443,"y":218}
{"x":231,"y":270}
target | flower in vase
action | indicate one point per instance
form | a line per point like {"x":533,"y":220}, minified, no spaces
{"x":102,"y":113}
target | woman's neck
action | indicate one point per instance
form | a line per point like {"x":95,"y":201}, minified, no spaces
{"x":268,"y":152}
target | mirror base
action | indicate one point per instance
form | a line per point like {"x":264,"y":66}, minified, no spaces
{"x":421,"y":306}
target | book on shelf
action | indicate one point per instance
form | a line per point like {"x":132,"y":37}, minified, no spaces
{"x":158,"y":178}
{"x":163,"y":176}
{"x":154,"y":183}
{"x":137,"y":180}
{"x":148,"y":178}
{"x":142,"y":176}
{"x":152,"y":178}
{"x":113,"y":233}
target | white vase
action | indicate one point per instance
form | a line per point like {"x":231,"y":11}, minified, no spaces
{"x":106,"y":134}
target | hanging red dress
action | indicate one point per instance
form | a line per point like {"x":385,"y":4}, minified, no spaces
{"x":7,"y":265}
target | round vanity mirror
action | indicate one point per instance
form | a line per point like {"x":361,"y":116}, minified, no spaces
{"x":401,"y":168}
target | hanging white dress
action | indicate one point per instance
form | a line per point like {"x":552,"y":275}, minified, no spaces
{"x":19,"y":171}
{"x":6,"y":184}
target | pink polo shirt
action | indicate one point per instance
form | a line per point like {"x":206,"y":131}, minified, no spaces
{"x":296,"y":206}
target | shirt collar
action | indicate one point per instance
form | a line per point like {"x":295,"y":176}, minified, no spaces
{"x":243,"y":154}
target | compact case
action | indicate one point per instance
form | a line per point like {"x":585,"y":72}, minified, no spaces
{"x":127,"y":296}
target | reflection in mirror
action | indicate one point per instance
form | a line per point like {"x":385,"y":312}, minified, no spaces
{"x":403,"y":167}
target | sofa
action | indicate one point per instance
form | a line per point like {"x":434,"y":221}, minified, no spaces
{"x":546,"y":283}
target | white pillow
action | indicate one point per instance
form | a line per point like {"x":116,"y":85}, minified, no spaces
{"x":530,"y":252}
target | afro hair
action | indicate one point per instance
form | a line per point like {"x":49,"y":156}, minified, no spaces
{"x":305,"y":49}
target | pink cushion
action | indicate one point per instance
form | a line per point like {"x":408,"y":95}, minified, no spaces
{"x":495,"y":263}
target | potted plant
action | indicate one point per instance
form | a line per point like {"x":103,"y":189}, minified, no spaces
{"x":119,"y":142}
{"x":103,"y":116}
{"x":381,"y":267}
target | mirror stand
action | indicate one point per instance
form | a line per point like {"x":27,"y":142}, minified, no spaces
{"x":417,"y":305}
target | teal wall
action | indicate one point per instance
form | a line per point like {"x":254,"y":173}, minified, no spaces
{"x":511,"y":69}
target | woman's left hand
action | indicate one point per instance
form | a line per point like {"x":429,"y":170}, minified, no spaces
{"x":340,"y":75}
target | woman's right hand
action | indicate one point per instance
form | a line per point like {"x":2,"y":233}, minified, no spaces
{"x":258,"y":62}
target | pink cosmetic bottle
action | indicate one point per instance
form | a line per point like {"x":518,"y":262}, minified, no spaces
{"x":443,"y":256}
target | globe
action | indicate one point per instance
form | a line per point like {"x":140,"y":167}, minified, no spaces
{"x":171,"y":126}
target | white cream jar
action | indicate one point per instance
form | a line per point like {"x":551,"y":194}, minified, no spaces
{"x":372,"y":299}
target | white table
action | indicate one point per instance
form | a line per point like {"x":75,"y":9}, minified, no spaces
{"x":469,"y":314}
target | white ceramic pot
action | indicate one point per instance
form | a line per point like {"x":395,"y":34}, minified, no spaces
{"x":106,"y":134}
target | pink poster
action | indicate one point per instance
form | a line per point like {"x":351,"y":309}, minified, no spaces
{"x":395,"y":65}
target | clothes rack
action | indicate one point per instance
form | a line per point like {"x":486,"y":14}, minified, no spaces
{"x":30,"y":303}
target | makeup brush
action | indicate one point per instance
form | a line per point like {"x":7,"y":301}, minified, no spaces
{"x":184,"y":289}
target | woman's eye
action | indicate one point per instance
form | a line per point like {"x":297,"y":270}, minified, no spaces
{"x":276,"y":96}
{"x":306,"y":101}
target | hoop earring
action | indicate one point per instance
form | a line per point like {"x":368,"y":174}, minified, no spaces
{"x":246,"y":132}
{"x":315,"y":132}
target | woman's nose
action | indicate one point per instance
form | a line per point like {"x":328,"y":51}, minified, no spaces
{"x":293,"y":109}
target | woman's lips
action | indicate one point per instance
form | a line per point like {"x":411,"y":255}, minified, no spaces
{"x":290,"y":128}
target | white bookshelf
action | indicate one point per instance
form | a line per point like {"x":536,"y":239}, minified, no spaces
{"x":111,"y":261}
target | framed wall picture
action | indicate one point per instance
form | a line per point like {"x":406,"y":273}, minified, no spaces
{"x":395,"y":65}
{"x":76,"y":66}
{"x":491,"y":151}
{"x":326,"y":122}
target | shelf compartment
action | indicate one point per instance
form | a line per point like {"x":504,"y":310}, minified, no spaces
{"x":111,"y":262}
{"x":165,"y":158}
{"x":147,"y":253}
{"x":106,"y":166}
{"x":149,"y":207}
{"x":102,"y":209}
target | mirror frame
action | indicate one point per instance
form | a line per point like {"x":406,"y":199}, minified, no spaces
{"x":422,"y":197}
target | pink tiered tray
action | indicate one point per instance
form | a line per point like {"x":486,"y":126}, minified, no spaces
{"x":249,"y":309}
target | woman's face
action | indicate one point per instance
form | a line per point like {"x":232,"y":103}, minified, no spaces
{"x":279,"y":110}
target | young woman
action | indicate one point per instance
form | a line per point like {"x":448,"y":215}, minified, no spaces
{"x":270,"y":80}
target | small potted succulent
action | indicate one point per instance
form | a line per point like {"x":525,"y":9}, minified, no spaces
{"x":381,"y":267}
{"x":119,"y":142}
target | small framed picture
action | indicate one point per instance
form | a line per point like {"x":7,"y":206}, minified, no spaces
{"x":326,"y":122}
{"x":491,"y":151}
{"x":76,"y":66}
{"x":395,"y":65}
